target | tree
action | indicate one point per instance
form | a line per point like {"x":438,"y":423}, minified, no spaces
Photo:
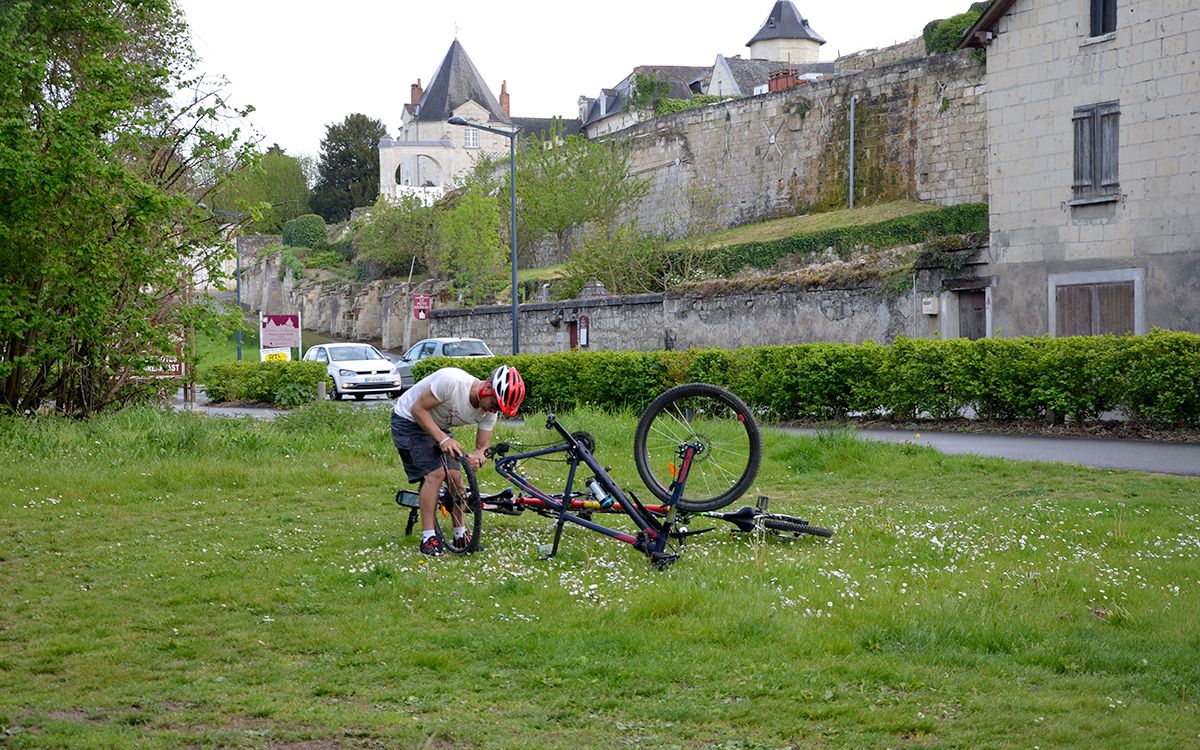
{"x":394,"y":236}
{"x":349,"y":167}
{"x":647,"y":90}
{"x":628,"y":262}
{"x":107,"y":152}
{"x":274,"y":187}
{"x":470,"y":253}
{"x":567,"y":182}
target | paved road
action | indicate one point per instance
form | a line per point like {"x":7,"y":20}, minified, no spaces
{"x":1137,"y":455}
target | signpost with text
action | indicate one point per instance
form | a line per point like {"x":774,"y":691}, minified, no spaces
{"x":277,"y":334}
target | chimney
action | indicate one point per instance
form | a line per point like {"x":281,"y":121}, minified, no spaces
{"x":781,"y":79}
{"x":504,"y":98}
{"x":417,"y":92}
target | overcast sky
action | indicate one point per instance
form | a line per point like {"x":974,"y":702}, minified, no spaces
{"x":307,"y":65}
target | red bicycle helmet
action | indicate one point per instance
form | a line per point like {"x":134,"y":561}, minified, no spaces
{"x":508,"y":387}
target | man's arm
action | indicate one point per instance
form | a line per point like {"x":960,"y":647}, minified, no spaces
{"x":422,"y":411}
{"x":483,"y":438}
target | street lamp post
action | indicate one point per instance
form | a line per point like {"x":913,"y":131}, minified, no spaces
{"x":511,"y":135}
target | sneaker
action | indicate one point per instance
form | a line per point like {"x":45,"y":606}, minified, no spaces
{"x":462,"y":542}
{"x":432,"y":547}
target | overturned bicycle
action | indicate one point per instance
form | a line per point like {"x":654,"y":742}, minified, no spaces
{"x":697,"y":449}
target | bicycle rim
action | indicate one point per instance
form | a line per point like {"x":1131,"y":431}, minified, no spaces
{"x":712,"y":418}
{"x":459,"y":504}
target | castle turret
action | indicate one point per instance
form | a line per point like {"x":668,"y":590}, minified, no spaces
{"x":786,"y":36}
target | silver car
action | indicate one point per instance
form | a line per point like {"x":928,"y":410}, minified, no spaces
{"x":446,"y":347}
{"x":360,"y":369}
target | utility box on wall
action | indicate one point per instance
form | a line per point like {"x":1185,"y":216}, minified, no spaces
{"x":929,"y":305}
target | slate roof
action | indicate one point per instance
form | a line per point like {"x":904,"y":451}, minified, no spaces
{"x":785,"y":22}
{"x":540,"y":126}
{"x":456,"y":82}
{"x":748,"y":74}
{"x":975,"y":36}
{"x":679,"y":77}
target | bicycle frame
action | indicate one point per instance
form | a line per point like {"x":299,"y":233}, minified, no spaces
{"x":652,"y":535}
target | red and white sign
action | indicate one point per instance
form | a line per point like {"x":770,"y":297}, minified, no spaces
{"x":422,"y":306}
{"x":279,"y":331}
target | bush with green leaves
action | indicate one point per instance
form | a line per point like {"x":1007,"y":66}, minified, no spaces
{"x":305,"y":231}
{"x":286,"y":384}
{"x":1154,"y":378}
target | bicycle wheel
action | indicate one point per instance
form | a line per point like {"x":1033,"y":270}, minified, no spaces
{"x":717,"y":421}
{"x":459,"y":504}
{"x":794,"y":526}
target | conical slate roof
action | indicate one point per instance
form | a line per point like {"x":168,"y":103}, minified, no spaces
{"x":456,"y":82}
{"x":785,"y":22}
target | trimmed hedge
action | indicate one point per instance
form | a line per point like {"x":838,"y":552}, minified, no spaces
{"x":1153,"y":378}
{"x":304,"y":231}
{"x":287,"y":384}
{"x":968,"y":218}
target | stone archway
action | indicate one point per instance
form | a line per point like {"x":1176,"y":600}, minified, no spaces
{"x":420,"y":170}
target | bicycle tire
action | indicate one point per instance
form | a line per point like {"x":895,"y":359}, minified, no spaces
{"x":795,"y":527}
{"x":466,"y":501}
{"x":712,"y":417}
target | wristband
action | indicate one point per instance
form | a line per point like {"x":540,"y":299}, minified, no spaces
{"x":443,"y":440}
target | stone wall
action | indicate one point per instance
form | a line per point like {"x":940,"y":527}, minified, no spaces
{"x":382,"y":312}
{"x":650,"y":322}
{"x":920,"y":135}
{"x":856,"y":62}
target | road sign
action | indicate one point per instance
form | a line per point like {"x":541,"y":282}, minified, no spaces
{"x":422,"y":306}
{"x":276,"y":355}
{"x":279,"y":331}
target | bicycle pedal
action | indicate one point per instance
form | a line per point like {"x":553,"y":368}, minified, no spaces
{"x":662,"y":560}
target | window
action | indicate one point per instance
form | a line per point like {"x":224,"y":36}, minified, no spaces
{"x":1096,"y":140}
{"x":470,"y":137}
{"x":1095,"y":309}
{"x":1094,"y":303}
{"x":1104,"y":17}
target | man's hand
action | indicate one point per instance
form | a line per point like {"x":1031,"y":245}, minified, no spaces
{"x":451,"y":447}
{"x":477,"y":458}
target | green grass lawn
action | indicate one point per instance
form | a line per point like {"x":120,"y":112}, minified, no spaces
{"x":777,"y":229}
{"x":174,"y":580}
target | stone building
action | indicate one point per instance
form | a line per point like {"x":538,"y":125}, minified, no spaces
{"x":429,"y":152}
{"x":1093,"y":120}
{"x":786,"y":41}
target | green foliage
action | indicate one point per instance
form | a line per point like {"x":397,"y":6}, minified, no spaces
{"x":328,"y":259}
{"x":274,"y":188}
{"x":287,"y":384}
{"x":906,"y":230}
{"x":108,"y":153}
{"x":349,"y":167}
{"x":304,"y":231}
{"x":1162,"y":376}
{"x":394,"y":235}
{"x":670,"y":106}
{"x":470,"y":253}
{"x":567,"y":182}
{"x":945,"y":35}
{"x":1154,"y":378}
{"x":289,"y":258}
{"x":647,"y":90}
{"x":628,"y":262}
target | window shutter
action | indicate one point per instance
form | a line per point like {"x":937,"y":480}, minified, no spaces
{"x":1110,"y":120}
{"x":1083,"y":152}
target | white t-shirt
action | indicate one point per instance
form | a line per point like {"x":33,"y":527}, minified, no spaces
{"x":452,"y":388}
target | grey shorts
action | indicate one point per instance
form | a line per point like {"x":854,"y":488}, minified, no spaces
{"x":419,"y":452}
